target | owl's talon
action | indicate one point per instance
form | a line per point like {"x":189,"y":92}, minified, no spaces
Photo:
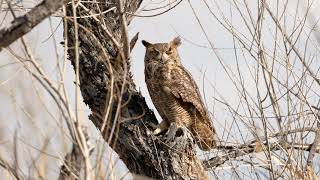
{"x":171,"y":134}
{"x":157,"y":131}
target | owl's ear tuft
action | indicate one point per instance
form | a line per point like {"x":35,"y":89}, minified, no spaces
{"x":146,"y":43}
{"x":176,"y":42}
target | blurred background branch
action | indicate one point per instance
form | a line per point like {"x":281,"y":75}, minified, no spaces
{"x":25,"y":23}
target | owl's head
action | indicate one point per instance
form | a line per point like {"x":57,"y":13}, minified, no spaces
{"x":162,"y":52}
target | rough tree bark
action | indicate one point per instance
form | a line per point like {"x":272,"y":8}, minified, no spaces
{"x":24,"y":24}
{"x":143,"y":154}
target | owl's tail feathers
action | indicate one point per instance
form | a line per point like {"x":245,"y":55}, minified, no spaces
{"x":204,"y":135}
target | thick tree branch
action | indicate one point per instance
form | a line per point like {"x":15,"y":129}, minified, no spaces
{"x":72,"y":164}
{"x":315,"y":145}
{"x":233,"y":152}
{"x":23,"y":24}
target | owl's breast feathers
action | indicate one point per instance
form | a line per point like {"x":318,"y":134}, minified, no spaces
{"x":180,"y":83}
{"x":156,"y":71}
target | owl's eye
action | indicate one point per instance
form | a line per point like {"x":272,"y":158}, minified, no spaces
{"x":154,"y":51}
{"x":169,"y":51}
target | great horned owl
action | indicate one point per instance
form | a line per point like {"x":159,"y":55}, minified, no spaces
{"x":175,"y":93}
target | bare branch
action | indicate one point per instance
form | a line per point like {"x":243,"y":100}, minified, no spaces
{"x":10,"y":169}
{"x":315,"y":145}
{"x":124,"y":29}
{"x":23,"y":24}
{"x":234,"y":152}
{"x":134,"y":41}
{"x":71,"y":166}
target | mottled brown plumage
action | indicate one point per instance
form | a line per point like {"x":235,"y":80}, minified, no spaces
{"x":175,"y":93}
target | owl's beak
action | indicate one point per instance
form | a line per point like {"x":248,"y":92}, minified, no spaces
{"x":164,"y":57}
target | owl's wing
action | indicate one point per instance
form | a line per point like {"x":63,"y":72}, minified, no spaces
{"x":185,"y":88}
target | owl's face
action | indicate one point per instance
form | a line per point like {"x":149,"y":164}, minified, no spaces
{"x":162,"y":52}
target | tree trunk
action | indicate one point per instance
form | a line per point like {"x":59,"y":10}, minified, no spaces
{"x":143,"y":154}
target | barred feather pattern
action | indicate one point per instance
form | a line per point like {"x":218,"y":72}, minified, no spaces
{"x":175,"y":93}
